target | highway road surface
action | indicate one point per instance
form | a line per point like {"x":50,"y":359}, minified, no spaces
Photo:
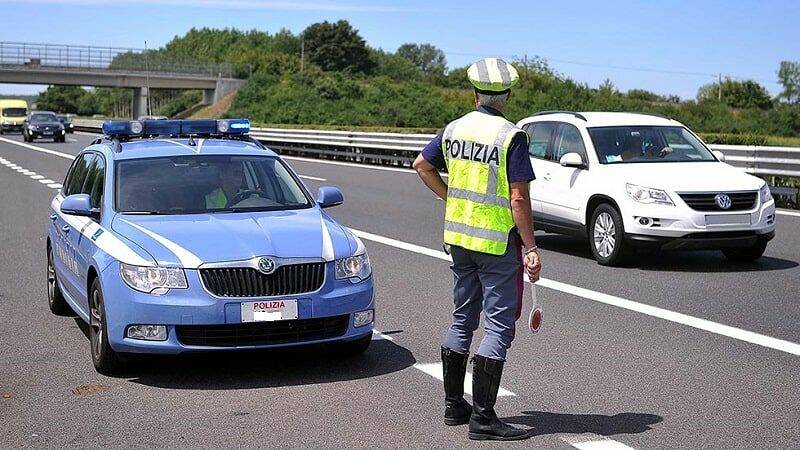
{"x":678,"y":350}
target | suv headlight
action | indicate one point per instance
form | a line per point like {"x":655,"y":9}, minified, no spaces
{"x":647,"y":195}
{"x":153,"y":280}
{"x":33,"y":127}
{"x":765,"y":193}
{"x":357,"y":268}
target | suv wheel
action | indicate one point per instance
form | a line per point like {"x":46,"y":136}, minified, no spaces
{"x":55,"y":299}
{"x":746,"y":254}
{"x":606,"y":233}
{"x":106,"y":360}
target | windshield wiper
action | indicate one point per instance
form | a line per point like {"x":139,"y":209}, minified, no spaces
{"x":143,"y":213}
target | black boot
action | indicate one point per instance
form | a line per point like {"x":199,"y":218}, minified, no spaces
{"x":454,"y":367}
{"x":484,"y":424}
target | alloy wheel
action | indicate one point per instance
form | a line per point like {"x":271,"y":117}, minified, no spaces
{"x":96,"y":324}
{"x":51,"y":279}
{"x":604,"y":234}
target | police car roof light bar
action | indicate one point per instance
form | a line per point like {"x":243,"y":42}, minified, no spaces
{"x":126,"y":129}
{"x":578,"y":115}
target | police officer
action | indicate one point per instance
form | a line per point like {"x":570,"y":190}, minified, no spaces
{"x":489,"y":229}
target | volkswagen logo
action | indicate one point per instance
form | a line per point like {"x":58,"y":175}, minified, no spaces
{"x":266,"y":265}
{"x":723,"y":201}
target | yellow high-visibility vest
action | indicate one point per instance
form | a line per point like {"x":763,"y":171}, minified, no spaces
{"x":478,"y":212}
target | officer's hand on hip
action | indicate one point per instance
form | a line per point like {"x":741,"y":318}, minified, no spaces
{"x":533,"y":264}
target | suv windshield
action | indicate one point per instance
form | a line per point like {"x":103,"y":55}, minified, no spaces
{"x":15,"y":112}
{"x":43,"y":117}
{"x":647,"y":144}
{"x":206,"y":184}
{"x":63,"y":119}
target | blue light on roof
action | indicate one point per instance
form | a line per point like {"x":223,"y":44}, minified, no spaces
{"x":198,"y":127}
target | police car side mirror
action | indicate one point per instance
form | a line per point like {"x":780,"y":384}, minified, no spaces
{"x":572,"y":159}
{"x":78,"y":205}
{"x":328,"y":196}
{"x":719,"y":155}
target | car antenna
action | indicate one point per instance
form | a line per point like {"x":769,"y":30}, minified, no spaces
{"x":147,"y":79}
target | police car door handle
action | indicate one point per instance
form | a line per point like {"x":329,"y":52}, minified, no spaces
{"x":53,"y":216}
{"x":65,"y":228}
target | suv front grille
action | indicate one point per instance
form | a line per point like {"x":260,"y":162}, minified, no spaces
{"x":263,"y":333}
{"x":248,"y":282}
{"x":740,"y":201}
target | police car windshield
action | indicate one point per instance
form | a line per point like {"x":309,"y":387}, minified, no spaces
{"x":647,"y":144}
{"x":206,"y":184}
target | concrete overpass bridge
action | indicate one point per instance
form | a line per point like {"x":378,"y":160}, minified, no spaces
{"x":114,"y":67}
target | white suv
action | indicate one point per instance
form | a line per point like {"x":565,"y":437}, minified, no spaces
{"x":629,"y":180}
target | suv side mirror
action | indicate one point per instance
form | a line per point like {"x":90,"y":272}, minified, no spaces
{"x":720,"y":156}
{"x":78,"y":205}
{"x":572,"y":159}
{"x":328,"y":196}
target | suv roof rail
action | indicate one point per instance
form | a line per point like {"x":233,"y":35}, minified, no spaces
{"x":578,"y":115}
{"x":647,"y":113}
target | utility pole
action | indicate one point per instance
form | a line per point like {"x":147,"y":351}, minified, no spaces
{"x":302,"y":53}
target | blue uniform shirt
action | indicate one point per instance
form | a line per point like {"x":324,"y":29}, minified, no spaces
{"x":519,"y":164}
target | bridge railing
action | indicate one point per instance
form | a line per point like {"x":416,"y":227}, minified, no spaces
{"x":33,"y":56}
{"x":400,"y":149}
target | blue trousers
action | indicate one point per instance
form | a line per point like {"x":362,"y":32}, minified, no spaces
{"x":492,"y":284}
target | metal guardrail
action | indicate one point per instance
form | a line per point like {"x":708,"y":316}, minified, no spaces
{"x":33,"y":56}
{"x":400,"y":149}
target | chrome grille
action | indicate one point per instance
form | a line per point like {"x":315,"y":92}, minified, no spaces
{"x":248,"y":282}
{"x":740,"y":201}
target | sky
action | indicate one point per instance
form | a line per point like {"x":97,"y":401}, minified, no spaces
{"x":668,"y":47}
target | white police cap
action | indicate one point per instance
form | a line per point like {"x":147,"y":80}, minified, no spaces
{"x":492,"y":75}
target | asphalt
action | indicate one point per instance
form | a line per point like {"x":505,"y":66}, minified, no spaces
{"x":595,"y":371}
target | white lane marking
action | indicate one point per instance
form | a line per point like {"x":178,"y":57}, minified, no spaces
{"x":309,"y":177}
{"x":55,"y":185}
{"x":46,"y":181}
{"x":653,"y":311}
{"x":435,"y":370}
{"x":591,"y":441}
{"x":38,"y":149}
{"x":378,"y":336}
{"x":188,"y":259}
{"x":786,"y":212}
{"x":37,"y":177}
{"x":340,"y":163}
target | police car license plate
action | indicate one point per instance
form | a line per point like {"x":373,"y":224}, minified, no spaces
{"x":269,"y":310}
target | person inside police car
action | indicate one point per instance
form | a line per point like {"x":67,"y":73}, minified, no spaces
{"x":488,"y":227}
{"x":230,"y":182}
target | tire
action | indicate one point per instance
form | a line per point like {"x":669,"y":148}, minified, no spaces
{"x":357,"y":346}
{"x":606,"y":236}
{"x":106,"y":361}
{"x":61,"y":140}
{"x":55,"y":299}
{"x":746,"y":254}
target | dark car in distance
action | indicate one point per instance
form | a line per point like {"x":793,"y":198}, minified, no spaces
{"x":64,"y":119}
{"x":43,"y":125}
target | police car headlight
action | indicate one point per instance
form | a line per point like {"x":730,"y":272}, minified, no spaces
{"x":357,"y":268}
{"x":765,"y":193}
{"x":648,"y":195}
{"x":153,"y":280}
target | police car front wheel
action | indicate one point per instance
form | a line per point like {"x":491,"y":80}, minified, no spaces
{"x":106,"y":360}
{"x":606,"y":236}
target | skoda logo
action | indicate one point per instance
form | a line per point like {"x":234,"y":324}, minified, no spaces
{"x":266,"y":265}
{"x":723,"y":201}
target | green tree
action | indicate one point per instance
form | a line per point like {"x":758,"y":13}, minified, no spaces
{"x":61,"y":99}
{"x":337,"y":46}
{"x":789,"y":77}
{"x":737,"y":94}
{"x":429,"y":60}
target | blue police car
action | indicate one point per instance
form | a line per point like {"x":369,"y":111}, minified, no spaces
{"x":172,"y":236}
